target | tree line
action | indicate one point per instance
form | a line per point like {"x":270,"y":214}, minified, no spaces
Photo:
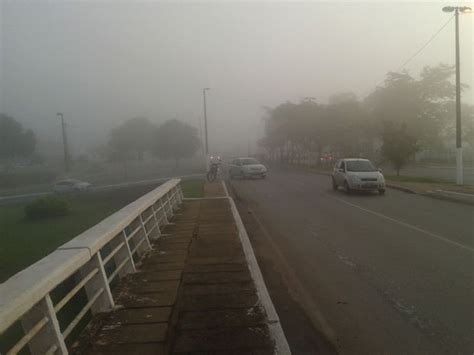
{"x":399,"y":118}
{"x":173,"y":139}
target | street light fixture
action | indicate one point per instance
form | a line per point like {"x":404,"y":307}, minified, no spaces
{"x":459,"y":167}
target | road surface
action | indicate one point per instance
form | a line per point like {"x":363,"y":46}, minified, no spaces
{"x":378,"y":274}
{"x":94,"y":188}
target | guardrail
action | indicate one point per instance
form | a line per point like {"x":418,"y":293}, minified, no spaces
{"x":90,"y":262}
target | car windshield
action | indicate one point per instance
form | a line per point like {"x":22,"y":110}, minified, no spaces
{"x":360,"y":165}
{"x":249,"y":161}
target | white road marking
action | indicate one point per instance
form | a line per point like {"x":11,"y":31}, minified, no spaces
{"x":410,"y":226}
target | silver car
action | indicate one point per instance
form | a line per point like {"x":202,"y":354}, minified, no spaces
{"x":70,"y":185}
{"x":357,"y":174}
{"x":247,"y":168}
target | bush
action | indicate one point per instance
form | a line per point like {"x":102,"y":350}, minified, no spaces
{"x":47,"y":207}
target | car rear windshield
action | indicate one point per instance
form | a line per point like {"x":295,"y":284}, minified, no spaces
{"x":249,"y":161}
{"x":360,"y":165}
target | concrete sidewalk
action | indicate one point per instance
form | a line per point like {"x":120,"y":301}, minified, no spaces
{"x":194,"y":293}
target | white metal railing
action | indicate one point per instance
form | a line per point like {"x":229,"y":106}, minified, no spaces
{"x":94,"y":259}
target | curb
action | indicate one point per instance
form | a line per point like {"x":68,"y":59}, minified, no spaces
{"x":439,"y":196}
{"x":276,"y":331}
{"x":400,"y":188}
{"x":435,"y":195}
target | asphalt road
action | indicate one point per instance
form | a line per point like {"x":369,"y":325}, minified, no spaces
{"x":4,"y":200}
{"x":377,"y":274}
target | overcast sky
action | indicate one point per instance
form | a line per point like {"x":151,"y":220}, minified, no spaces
{"x":101,"y":62}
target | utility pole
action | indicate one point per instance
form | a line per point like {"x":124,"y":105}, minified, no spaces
{"x":459,"y":165}
{"x":459,"y":162}
{"x":66,"y":151}
{"x":206,"y":144}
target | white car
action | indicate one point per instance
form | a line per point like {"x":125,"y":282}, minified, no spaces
{"x":357,"y":174}
{"x":70,"y":185}
{"x":247,"y":168}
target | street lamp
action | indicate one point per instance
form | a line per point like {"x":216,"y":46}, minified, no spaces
{"x":206,"y":144}
{"x":459,"y":167}
{"x":66,"y":152}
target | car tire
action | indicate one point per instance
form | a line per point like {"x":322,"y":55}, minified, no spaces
{"x":382,"y":192}
{"x":334,"y":184}
{"x":347,"y":188}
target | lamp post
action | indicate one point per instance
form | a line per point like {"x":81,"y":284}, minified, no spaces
{"x":459,"y":165}
{"x":66,"y":152}
{"x":206,"y":144}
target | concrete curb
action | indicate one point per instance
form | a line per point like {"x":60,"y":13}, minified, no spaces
{"x":276,"y":331}
{"x":400,"y":188}
{"x":433,"y":194}
{"x":439,"y":196}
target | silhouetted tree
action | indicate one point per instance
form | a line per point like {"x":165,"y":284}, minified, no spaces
{"x":398,"y":145}
{"x":131,"y":139}
{"x":175,"y":140}
{"x":15,"y":141}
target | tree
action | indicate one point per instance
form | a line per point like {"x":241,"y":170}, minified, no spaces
{"x":421,"y":104}
{"x":131,"y":139}
{"x":398,"y":145}
{"x":175,"y":140}
{"x":15,"y":141}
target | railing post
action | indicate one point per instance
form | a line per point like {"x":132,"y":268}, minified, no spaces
{"x":50,"y":335}
{"x":169,"y":203}
{"x":176,"y":198}
{"x":128,"y":250}
{"x":122,"y":255}
{"x":156,"y":221}
{"x":105,"y":302}
{"x":145,"y":232}
{"x":163,"y":209}
{"x":181,"y":196}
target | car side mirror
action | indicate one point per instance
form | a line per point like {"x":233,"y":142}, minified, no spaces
{"x":380,"y":170}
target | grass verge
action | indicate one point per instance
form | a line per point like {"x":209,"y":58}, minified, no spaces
{"x":23,"y":241}
{"x":419,"y":179}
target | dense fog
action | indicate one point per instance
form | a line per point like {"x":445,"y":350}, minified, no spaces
{"x":103,"y":62}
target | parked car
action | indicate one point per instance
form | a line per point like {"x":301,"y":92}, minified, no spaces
{"x":70,"y":185}
{"x":357,"y":174}
{"x":247,"y":168}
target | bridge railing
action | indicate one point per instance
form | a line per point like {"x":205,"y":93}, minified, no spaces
{"x":43,"y":299}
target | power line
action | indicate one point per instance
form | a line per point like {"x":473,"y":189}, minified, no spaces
{"x":425,"y":45}
{"x":417,"y":52}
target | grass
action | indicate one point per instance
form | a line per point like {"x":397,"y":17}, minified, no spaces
{"x":193,"y":188}
{"x":23,"y":242}
{"x":420,"y":179}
